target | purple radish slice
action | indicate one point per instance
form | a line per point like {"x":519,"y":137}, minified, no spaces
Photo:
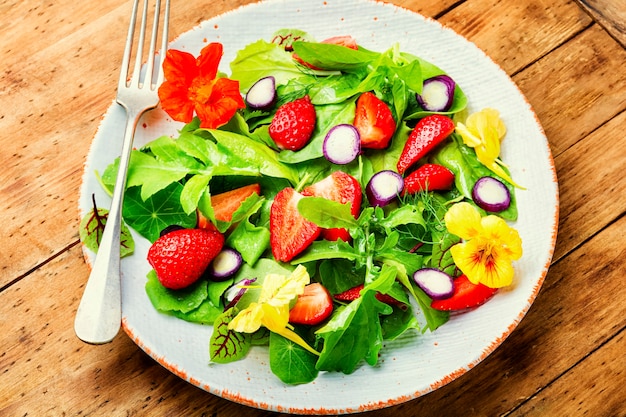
{"x":437,"y":93}
{"x":435,"y":283}
{"x":342,"y":144}
{"x":262,"y":94}
{"x":234,"y":293}
{"x":491,"y":195}
{"x":225,"y":264}
{"x":384,"y":187}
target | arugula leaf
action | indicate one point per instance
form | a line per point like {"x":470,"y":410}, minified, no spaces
{"x":153,"y":174}
{"x":353,"y":333}
{"x":290,"y":362}
{"x":249,"y":156}
{"x":226,"y":345}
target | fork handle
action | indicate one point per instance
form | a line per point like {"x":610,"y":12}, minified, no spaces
{"x":99,"y":314}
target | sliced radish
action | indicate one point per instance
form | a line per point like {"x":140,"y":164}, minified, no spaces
{"x":342,"y":144}
{"x":491,"y":195}
{"x":384,"y":187}
{"x":262,"y":94}
{"x":437,"y":284}
{"x":234,"y":293}
{"x":437,"y":93}
{"x":225,"y":264}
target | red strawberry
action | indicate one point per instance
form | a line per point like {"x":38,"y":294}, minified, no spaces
{"x":340,"y":187}
{"x":180,"y":257}
{"x":428,"y":133}
{"x":313,"y":306}
{"x":466,"y":295}
{"x":428,"y":177}
{"x":290,"y":233}
{"x":355,"y":292}
{"x":374,"y":121}
{"x":293,"y":124}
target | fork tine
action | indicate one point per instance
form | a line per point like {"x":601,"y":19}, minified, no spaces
{"x":142,"y":37}
{"x":123,"y":81}
{"x":155,"y":32}
{"x":164,"y":43}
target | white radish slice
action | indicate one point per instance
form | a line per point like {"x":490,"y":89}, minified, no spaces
{"x":435,"y":283}
{"x":491,"y":195}
{"x":342,"y":144}
{"x":262,"y":94}
{"x":225,"y":264}
{"x":384,"y":187}
{"x":234,"y":293}
{"x":437,"y":93}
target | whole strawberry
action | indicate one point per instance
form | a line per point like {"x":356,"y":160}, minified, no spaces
{"x":293,"y":124}
{"x":179,"y":258}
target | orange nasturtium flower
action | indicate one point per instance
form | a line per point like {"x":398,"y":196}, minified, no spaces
{"x":192,"y":86}
{"x":271,"y":310}
{"x":489,"y":245}
{"x":484,"y":131}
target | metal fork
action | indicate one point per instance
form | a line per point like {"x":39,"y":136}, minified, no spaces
{"x":99,"y":313}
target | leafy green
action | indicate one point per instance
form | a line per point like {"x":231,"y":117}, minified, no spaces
{"x":290,"y":362}
{"x":226,"y":345}
{"x":353,"y":334}
{"x":148,"y":217}
{"x":91,"y":229}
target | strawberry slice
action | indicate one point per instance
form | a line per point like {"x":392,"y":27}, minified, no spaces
{"x":353,"y":293}
{"x":227,"y":203}
{"x":342,"y":188}
{"x":293,"y":124}
{"x":465,"y":296}
{"x":428,"y":177}
{"x":290,"y":233}
{"x":428,"y":133}
{"x":180,"y":257}
{"x":374,"y":121}
{"x":313,"y":306}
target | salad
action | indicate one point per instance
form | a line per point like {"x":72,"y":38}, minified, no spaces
{"x":320,"y":200}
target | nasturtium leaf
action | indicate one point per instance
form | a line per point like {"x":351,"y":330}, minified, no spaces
{"x":226,"y":345}
{"x":162,"y":209}
{"x":91,"y":229}
{"x":291,"y":363}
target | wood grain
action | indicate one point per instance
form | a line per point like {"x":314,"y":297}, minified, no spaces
{"x":610,"y":14}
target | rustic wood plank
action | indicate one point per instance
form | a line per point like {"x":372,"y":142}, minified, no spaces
{"x":592,"y":186}
{"x":579,"y":389}
{"x":611,"y":15}
{"x":489,"y":24}
{"x":569,"y":110}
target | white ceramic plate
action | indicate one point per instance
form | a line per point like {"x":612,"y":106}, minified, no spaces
{"x":411,"y":366}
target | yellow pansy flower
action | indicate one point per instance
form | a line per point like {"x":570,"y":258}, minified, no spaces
{"x":272,"y":308}
{"x":484,"y":131}
{"x":489,"y":245}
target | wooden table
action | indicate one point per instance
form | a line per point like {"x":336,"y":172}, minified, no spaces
{"x":59,"y":74}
